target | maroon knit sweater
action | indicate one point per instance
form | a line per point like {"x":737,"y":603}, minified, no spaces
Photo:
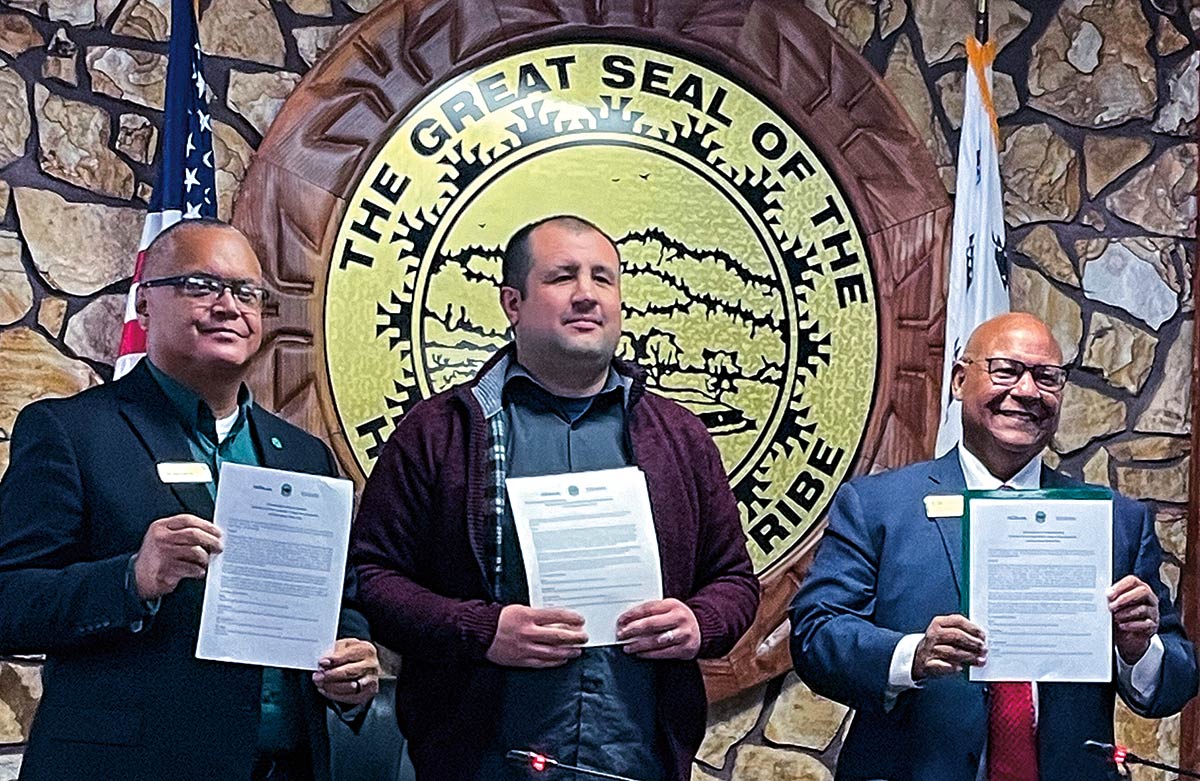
{"x":419,"y":547}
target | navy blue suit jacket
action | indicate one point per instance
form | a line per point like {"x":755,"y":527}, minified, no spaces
{"x":884,"y":570}
{"x":81,"y":488}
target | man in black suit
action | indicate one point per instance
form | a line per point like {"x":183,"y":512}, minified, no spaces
{"x":105,"y":540}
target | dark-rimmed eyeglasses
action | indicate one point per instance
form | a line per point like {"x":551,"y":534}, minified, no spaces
{"x":208,"y":288}
{"x":1007,"y":372}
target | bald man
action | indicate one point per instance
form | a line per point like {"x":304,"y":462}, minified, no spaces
{"x":103,"y":552}
{"x":876,"y":624}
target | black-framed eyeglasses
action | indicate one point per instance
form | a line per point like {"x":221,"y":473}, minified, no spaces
{"x":207,"y":287}
{"x":1007,"y":372}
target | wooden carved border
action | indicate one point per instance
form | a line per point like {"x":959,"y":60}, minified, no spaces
{"x":335,"y":122}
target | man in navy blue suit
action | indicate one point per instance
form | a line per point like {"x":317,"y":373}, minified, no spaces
{"x":877,"y":625}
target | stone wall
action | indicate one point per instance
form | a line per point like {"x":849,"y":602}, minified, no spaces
{"x":1097,"y":102}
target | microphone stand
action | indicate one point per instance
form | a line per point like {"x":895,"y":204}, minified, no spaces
{"x":1134,"y":759}
{"x":1121,"y":756}
{"x":540,"y":763}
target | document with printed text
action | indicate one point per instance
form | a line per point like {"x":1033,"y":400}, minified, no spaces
{"x":589,"y":545}
{"x":274,"y":593}
{"x":1038,"y":565}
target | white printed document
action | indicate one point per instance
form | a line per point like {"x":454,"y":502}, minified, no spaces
{"x":588,"y":542}
{"x":274,"y":593}
{"x":1038,"y":564}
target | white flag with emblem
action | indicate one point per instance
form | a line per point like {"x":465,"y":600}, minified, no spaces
{"x":978,"y":264}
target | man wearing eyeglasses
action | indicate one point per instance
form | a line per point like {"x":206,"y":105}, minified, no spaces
{"x":105,"y":542}
{"x":877,"y":626}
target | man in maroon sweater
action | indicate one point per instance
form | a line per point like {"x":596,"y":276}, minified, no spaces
{"x":441,"y":574}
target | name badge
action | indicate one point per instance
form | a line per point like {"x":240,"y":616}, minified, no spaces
{"x":944,"y":506}
{"x":184,"y":472}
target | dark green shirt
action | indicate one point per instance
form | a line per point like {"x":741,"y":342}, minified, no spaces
{"x":200,"y":427}
{"x":279,"y":730}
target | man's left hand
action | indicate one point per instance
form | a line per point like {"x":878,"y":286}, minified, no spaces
{"x":349,"y":672}
{"x":1134,"y":608}
{"x":660,"y":629}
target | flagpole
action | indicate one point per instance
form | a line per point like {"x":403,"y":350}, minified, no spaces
{"x":978,"y":272}
{"x":981,"y":21}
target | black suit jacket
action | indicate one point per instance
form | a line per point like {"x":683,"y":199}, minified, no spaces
{"x":81,"y":488}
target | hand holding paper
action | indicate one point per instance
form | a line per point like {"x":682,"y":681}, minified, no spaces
{"x":536,"y":637}
{"x":1134,"y":608}
{"x":172,"y":549}
{"x":349,"y":672}
{"x":951,"y":643}
{"x":660,"y":629}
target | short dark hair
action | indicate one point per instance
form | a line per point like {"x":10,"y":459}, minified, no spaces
{"x":162,"y":247}
{"x":518,"y":257}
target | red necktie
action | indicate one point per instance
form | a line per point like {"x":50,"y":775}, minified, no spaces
{"x":1012,"y":737}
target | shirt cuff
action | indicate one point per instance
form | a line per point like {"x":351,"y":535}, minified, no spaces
{"x":900,"y":673}
{"x":1141,"y":678}
{"x":147,"y":607}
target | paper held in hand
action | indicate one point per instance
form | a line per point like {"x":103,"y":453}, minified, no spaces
{"x":1038,"y":565}
{"x":274,"y":593}
{"x":589,"y":545}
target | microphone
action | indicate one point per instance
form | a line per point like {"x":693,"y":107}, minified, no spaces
{"x":540,"y":763}
{"x":1119,"y":755}
{"x":1114,"y":754}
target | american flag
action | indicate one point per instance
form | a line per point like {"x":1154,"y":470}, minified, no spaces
{"x":186,"y":186}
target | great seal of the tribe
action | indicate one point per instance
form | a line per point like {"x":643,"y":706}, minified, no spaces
{"x":763,"y":251}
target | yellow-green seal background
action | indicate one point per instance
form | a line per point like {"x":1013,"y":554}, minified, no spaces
{"x":702,"y":271}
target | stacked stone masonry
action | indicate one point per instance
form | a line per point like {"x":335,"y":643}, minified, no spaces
{"x":1097,"y":103}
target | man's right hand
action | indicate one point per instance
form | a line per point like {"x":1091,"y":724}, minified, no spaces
{"x":536,"y":637}
{"x":951,"y":643}
{"x":174,"y":548}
